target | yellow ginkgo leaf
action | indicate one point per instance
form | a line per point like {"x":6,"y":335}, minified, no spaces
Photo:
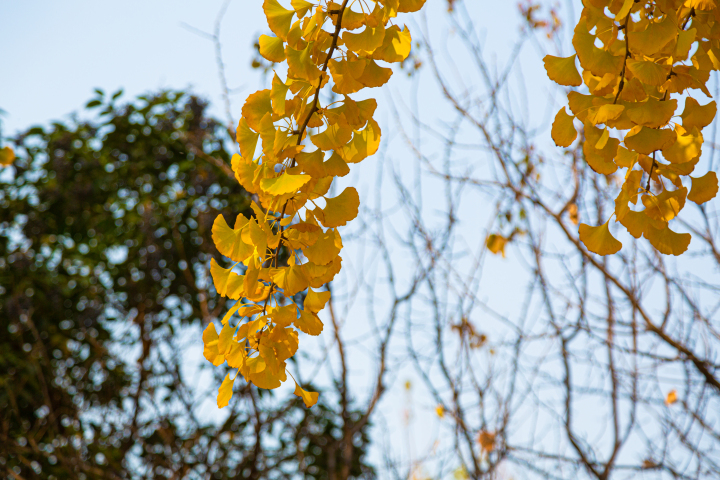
{"x":703,"y":188}
{"x":278,"y":18}
{"x":496,"y":244}
{"x":244,"y":171}
{"x":365,"y":42}
{"x":284,"y":184}
{"x":7,"y":156}
{"x":654,"y":37}
{"x":247,"y":139}
{"x":256,"y":107}
{"x":335,"y":166}
{"x":696,"y":115}
{"x":309,"y":323}
{"x":562,"y":70}
{"x":210,"y":340}
{"x":228,"y":241}
{"x":301,"y":7}
{"x":310,"y":398}
{"x":227,"y":283}
{"x":598,"y":61}
{"x":291,"y":279}
{"x":364,"y":143}
{"x":648,"y":72}
{"x":272,"y":48}
{"x":301,"y":65}
{"x":325,"y":249}
{"x":334,"y":137}
{"x":624,"y":10}
{"x":315,"y":301}
{"x":374,"y":75}
{"x":225,"y":392}
{"x":671,"y":397}
{"x":652,"y":113}
{"x":395,"y":47}
{"x":686,"y":148}
{"x":601,"y":114}
{"x":625,"y":158}
{"x":666,"y":241}
{"x":405,"y":6}
{"x":340,"y":210}
{"x":600,"y":159}
{"x":599,"y":239}
{"x":267,"y":379}
{"x":665,"y":206}
{"x":647,"y":140}
{"x":277,"y":95}
{"x":345,"y":74}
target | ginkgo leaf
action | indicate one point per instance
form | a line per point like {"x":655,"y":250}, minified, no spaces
{"x":225,"y":392}
{"x":685,"y":40}
{"x":325,"y":249}
{"x":599,"y":239}
{"x":301,"y":65}
{"x":341,"y":209}
{"x":7,"y":156}
{"x":592,"y":58}
{"x":666,"y":205}
{"x":687,"y":147}
{"x":395,"y":47}
{"x":703,"y":188}
{"x":334,"y":137}
{"x":227,"y":283}
{"x":666,"y":241}
{"x":247,"y":139}
{"x":696,"y":115}
{"x":647,"y":140}
{"x":365,"y":42}
{"x":310,"y":398}
{"x":345,"y":74}
{"x":562,"y":70}
{"x":654,"y":37}
{"x":277,"y":95}
{"x":363,"y":144}
{"x":652,"y":113}
{"x":272,"y":48}
{"x":267,"y":379}
{"x":671,"y":397}
{"x":255,"y":108}
{"x":244,"y":172}
{"x":701,"y":4}
{"x":374,"y":75}
{"x":291,"y":279}
{"x":284,"y":184}
{"x":335,"y":166}
{"x":648,"y":72}
{"x":228,"y":241}
{"x":603,"y":113}
{"x":315,"y":301}
{"x":210,"y":340}
{"x":624,"y":10}
{"x":496,"y":244}
{"x":309,"y":323}
{"x":600,"y":159}
{"x":405,"y":6}
{"x":278,"y":18}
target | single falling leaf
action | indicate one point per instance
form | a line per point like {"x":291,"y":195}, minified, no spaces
{"x":696,"y":115}
{"x":563,"y":131}
{"x":671,"y":397}
{"x":341,"y":209}
{"x":225,"y":392}
{"x":703,"y":188}
{"x":7,"y":156}
{"x":599,"y":239}
{"x":496,"y":244}
{"x":487,"y":441}
{"x":440,"y":411}
{"x":562,"y":70}
{"x":309,"y":398}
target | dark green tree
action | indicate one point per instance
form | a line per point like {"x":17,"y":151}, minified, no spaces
{"x":104,"y":288}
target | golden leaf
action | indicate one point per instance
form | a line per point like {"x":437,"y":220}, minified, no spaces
{"x":592,"y":58}
{"x":301,"y":65}
{"x":309,"y":398}
{"x":365,"y":42}
{"x":563,"y":131}
{"x":256,"y":106}
{"x":487,"y":441}
{"x":648,"y":72}
{"x":440,"y":411}
{"x":272,"y":48}
{"x":325,"y":249}
{"x":334,"y":137}
{"x":599,"y":239}
{"x":210,"y":340}
{"x":562,"y":70}
{"x":496,"y":244}
{"x":363,"y":144}
{"x":703,"y":188}
{"x":671,"y":397}
{"x":7,"y":156}
{"x":666,"y":241}
{"x":284,"y":184}
{"x":228,"y":241}
{"x":395,"y":47}
{"x":291,"y":279}
{"x":654,"y":37}
{"x":686,"y":148}
{"x":309,"y":323}
{"x":225,"y":392}
{"x":341,"y":209}
{"x":696,"y":115}
{"x":247,"y":139}
{"x":647,"y":140}
{"x":652,"y":113}
{"x":315,"y":301}
{"x":666,"y":206}
{"x":278,"y":18}
{"x":410,"y":5}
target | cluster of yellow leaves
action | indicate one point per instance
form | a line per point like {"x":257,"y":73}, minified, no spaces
{"x":638,"y":58}
{"x":291,"y":150}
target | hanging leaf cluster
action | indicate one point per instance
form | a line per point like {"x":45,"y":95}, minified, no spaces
{"x":291,"y":150}
{"x":640,"y":59}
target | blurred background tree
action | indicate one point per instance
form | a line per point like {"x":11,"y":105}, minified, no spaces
{"x":104,"y":255}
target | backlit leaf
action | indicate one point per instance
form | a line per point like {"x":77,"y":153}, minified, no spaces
{"x":696,"y":115}
{"x":310,"y":398}
{"x":562,"y":70}
{"x":395,"y":47}
{"x":341,"y":209}
{"x":278,"y":18}
{"x":225,"y":392}
{"x":599,"y":239}
{"x":666,"y":241}
{"x":272,"y":48}
{"x":703,"y":188}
